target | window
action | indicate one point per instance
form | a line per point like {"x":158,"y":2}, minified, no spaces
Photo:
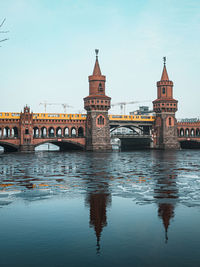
{"x":100,"y":88}
{"x":100,"y":120}
{"x":163,"y":90}
{"x":170,"y":121}
{"x":26,"y":131}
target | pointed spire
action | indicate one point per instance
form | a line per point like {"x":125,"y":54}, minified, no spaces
{"x":164,"y":73}
{"x":97,"y":70}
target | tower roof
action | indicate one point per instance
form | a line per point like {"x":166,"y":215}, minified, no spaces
{"x":97,"y":70}
{"x":164,"y":76}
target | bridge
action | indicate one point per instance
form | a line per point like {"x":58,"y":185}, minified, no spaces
{"x":93,"y":131}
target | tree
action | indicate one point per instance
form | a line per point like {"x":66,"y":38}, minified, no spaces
{"x":1,"y":25}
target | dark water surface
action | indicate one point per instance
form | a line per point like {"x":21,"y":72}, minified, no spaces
{"x":100,"y":209}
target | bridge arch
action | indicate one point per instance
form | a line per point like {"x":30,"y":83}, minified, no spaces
{"x":131,"y":127}
{"x":197,"y":132}
{"x":8,"y":147}
{"x":64,"y":144}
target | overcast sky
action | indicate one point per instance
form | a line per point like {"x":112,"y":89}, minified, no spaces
{"x":50,"y":51}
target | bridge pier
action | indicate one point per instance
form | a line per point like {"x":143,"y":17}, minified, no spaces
{"x":26,"y":148}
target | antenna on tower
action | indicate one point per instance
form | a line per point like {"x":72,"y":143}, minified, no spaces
{"x":97,"y":52}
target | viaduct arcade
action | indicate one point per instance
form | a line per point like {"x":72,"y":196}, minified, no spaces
{"x":93,"y":131}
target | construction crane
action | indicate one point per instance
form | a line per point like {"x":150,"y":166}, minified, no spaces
{"x":64,"y":105}
{"x":123,"y":105}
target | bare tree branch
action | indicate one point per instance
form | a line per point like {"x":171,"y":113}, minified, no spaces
{"x":2,"y":23}
{"x":2,"y":40}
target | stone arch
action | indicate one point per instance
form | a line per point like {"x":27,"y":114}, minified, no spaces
{"x":80,"y":132}
{"x":192,"y":132}
{"x":64,"y":144}
{"x":181,"y":132}
{"x":35,"y":132}
{"x":6,"y":132}
{"x":58,"y":132}
{"x":187,"y":132}
{"x":197,"y":132}
{"x":73,"y":132}
{"x":51,"y":132}
{"x":8,"y":147}
{"x":1,"y":132}
{"x":136,"y":129}
{"x":66,"y":132}
{"x":43,"y":132}
{"x":15,"y":132}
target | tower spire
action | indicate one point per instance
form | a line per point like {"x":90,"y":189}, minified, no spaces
{"x":164,"y":76}
{"x":97,"y":70}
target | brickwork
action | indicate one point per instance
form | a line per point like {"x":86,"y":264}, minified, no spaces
{"x":97,"y":105}
{"x":165,"y":106}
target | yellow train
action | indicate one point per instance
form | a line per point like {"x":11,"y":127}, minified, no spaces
{"x":63,"y":116}
{"x":131,"y":118}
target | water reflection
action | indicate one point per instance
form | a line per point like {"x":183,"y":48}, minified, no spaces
{"x":166,"y":191}
{"x":98,"y":196}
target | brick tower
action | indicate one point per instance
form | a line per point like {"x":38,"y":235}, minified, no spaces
{"x":26,"y":130}
{"x":165,"y":106}
{"x":97,"y":105}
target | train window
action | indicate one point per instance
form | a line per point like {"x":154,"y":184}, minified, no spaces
{"x":116,"y":116}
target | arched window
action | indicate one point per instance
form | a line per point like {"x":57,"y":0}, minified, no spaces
{"x":100,"y":87}
{"x":100,"y":120}
{"x":15,"y":132}
{"x":192,"y":132}
{"x":163,"y":90}
{"x":66,"y":132}
{"x":51,"y":132}
{"x":181,"y":132}
{"x":35,"y":132}
{"x":80,"y":132}
{"x":58,"y":132}
{"x":170,"y":121}
{"x":44,"y":132}
{"x":73,"y":132}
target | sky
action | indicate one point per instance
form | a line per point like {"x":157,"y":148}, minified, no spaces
{"x":50,"y":52}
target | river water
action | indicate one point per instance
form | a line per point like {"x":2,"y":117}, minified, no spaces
{"x":139,"y":208}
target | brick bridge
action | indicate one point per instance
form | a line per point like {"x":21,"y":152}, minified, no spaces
{"x":26,"y":130}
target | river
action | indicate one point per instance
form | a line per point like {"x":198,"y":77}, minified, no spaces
{"x":139,"y":208}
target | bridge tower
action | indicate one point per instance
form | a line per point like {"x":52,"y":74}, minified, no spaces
{"x":26,"y":130}
{"x":165,"y":106}
{"x":97,"y":105}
